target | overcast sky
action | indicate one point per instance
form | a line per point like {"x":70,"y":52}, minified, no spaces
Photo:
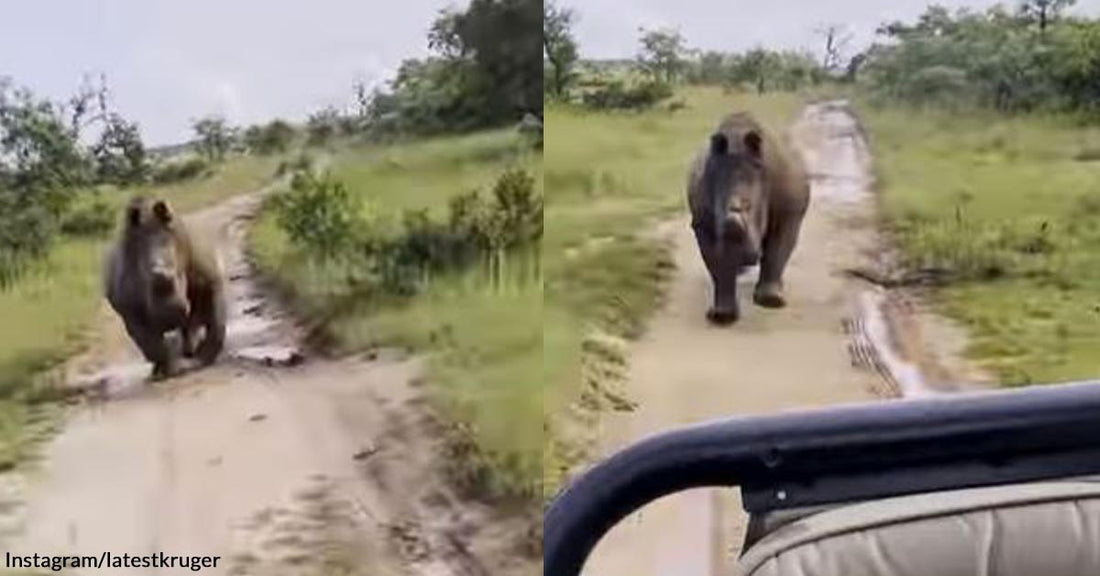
{"x":609,"y":28}
{"x":170,"y":61}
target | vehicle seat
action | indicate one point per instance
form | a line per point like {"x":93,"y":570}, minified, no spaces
{"x":1039,"y":529}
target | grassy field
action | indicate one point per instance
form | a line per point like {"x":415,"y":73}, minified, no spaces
{"x":610,"y":178}
{"x":484,"y":339}
{"x":45,"y":313}
{"x":1007,"y":210}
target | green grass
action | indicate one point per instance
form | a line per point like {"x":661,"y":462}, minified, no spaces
{"x":484,"y":340}
{"x":45,"y":313}
{"x":426,"y":174}
{"x":610,"y":178}
{"x":238,"y":175}
{"x":1007,"y":209}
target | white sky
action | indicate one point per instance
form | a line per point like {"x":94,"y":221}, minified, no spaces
{"x":168,"y":62}
{"x":609,"y":28}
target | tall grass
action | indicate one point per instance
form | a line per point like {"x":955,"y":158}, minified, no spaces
{"x":481,"y":328}
{"x":1005,"y":211}
{"x":610,"y":179}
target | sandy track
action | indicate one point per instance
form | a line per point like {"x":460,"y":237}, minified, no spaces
{"x":277,"y":461}
{"x":684,"y":371}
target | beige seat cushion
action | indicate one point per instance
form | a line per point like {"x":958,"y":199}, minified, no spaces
{"x":1040,"y":529}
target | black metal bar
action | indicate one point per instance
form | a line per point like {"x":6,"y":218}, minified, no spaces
{"x":837,"y":455}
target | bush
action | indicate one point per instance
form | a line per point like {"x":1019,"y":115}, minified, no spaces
{"x":318,"y":214}
{"x":25,"y":235}
{"x":174,"y":172}
{"x":531,"y":129}
{"x":322,"y":126}
{"x":303,"y":162}
{"x":271,"y":138}
{"x":617,"y":95}
{"x":991,"y":58}
{"x":516,"y":215}
{"x":95,"y":219}
{"x":325,"y":221}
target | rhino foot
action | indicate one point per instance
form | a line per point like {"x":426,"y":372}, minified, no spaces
{"x":722,"y":317}
{"x":769,"y":296}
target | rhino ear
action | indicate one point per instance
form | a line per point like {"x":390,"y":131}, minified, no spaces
{"x":719,"y":145}
{"x":754,"y":143}
{"x":162,"y":212}
{"x":134,"y":211}
{"x":133,"y":216}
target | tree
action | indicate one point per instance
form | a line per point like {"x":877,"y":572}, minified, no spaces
{"x":445,"y":38}
{"x":559,"y":46}
{"x":837,"y":38}
{"x":215,"y":137}
{"x":855,"y":63}
{"x":1044,"y":12}
{"x":711,"y":68}
{"x":663,"y":54}
{"x":272,"y":138}
{"x":485,"y":70}
{"x":40,"y":156}
{"x":322,"y":126}
{"x":119,"y":154}
{"x":1076,"y":66}
{"x":500,"y":38}
{"x":986,"y":58}
{"x":42,"y":165}
{"x":756,"y":66}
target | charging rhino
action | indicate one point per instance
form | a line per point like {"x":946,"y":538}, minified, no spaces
{"x":747,"y":198}
{"x":159,"y":280}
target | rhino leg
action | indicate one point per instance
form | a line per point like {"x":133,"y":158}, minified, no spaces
{"x":211,"y":314}
{"x":779,"y":243}
{"x":188,"y":334}
{"x":153,"y":346}
{"x":723,"y":273}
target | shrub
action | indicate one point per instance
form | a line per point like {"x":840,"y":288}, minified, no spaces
{"x":531,"y":128}
{"x":95,"y":219}
{"x":324,"y":220}
{"x":271,"y":138}
{"x":618,"y":95}
{"x":516,"y":215}
{"x":173,"y":172}
{"x":319,"y":214}
{"x":322,"y":126}
{"x":303,"y":162}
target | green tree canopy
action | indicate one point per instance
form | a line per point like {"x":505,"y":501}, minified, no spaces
{"x":663,"y":54}
{"x":559,"y":47}
{"x":215,"y":137}
{"x":271,"y":138}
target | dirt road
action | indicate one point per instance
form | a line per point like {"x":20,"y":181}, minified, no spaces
{"x":278,"y":461}
{"x":815,"y":352}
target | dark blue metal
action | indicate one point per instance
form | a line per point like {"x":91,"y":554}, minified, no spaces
{"x":835,"y":455}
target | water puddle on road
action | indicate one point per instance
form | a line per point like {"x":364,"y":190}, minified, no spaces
{"x":840,"y":166}
{"x":873,"y":347}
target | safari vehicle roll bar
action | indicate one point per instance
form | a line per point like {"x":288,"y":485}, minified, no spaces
{"x":830,"y":456}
